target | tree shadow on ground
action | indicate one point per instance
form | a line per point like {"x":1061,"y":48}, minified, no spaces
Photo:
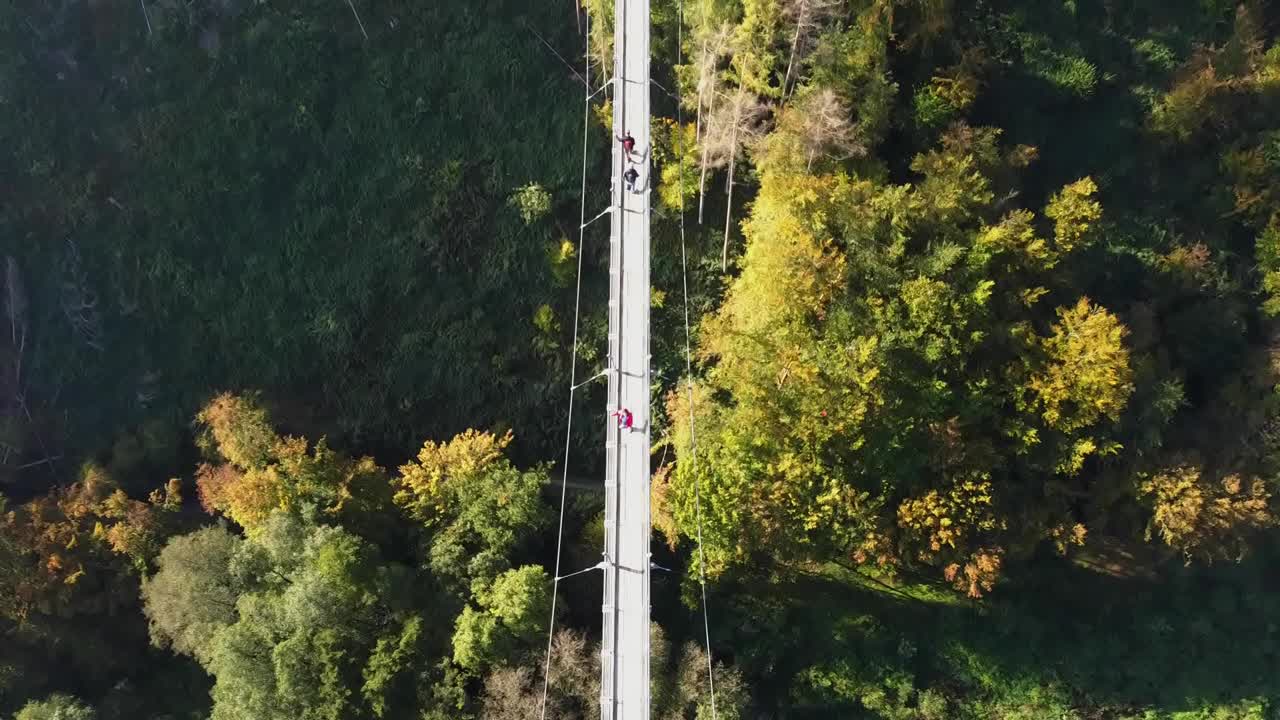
{"x":818,"y":644}
{"x":1188,"y":639}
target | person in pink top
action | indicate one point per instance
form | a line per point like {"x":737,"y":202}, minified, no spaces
{"x":624,"y":418}
{"x":628,"y":143}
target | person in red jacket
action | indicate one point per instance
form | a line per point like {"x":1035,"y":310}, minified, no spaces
{"x":624,"y":418}
{"x":628,"y":143}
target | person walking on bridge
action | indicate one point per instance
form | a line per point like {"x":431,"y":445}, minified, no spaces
{"x":628,"y":144}
{"x":625,"y":418}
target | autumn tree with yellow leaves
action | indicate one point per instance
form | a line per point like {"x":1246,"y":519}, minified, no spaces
{"x":885,"y":372}
{"x":256,"y":471}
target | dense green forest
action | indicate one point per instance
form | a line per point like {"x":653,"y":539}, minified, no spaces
{"x":986,"y":365}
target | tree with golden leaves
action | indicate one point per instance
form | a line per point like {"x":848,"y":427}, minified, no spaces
{"x":1086,"y":375}
{"x":1203,"y":518}
{"x":477,"y":508}
{"x":263,"y":472}
{"x":877,"y":384}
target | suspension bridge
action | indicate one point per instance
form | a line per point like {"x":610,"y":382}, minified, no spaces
{"x":624,"y":648}
{"x":624,"y":651}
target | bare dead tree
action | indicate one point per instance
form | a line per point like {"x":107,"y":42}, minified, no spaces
{"x":808,"y":17}
{"x":573,"y":689}
{"x":715,"y":47}
{"x":49,"y":458}
{"x":79,"y":302}
{"x":821,"y":120}
{"x":716,"y":143}
{"x":737,"y":123}
{"x":126,"y":297}
{"x":15,"y":301}
{"x":363,"y":32}
{"x":15,"y":304}
{"x":716,"y":135}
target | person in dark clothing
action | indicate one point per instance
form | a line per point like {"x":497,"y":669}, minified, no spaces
{"x":630,"y":176}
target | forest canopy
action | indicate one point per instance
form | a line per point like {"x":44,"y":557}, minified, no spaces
{"x":983,"y":417}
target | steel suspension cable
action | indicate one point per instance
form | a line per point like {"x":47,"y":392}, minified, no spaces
{"x":573,"y":366}
{"x":688,"y":366}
